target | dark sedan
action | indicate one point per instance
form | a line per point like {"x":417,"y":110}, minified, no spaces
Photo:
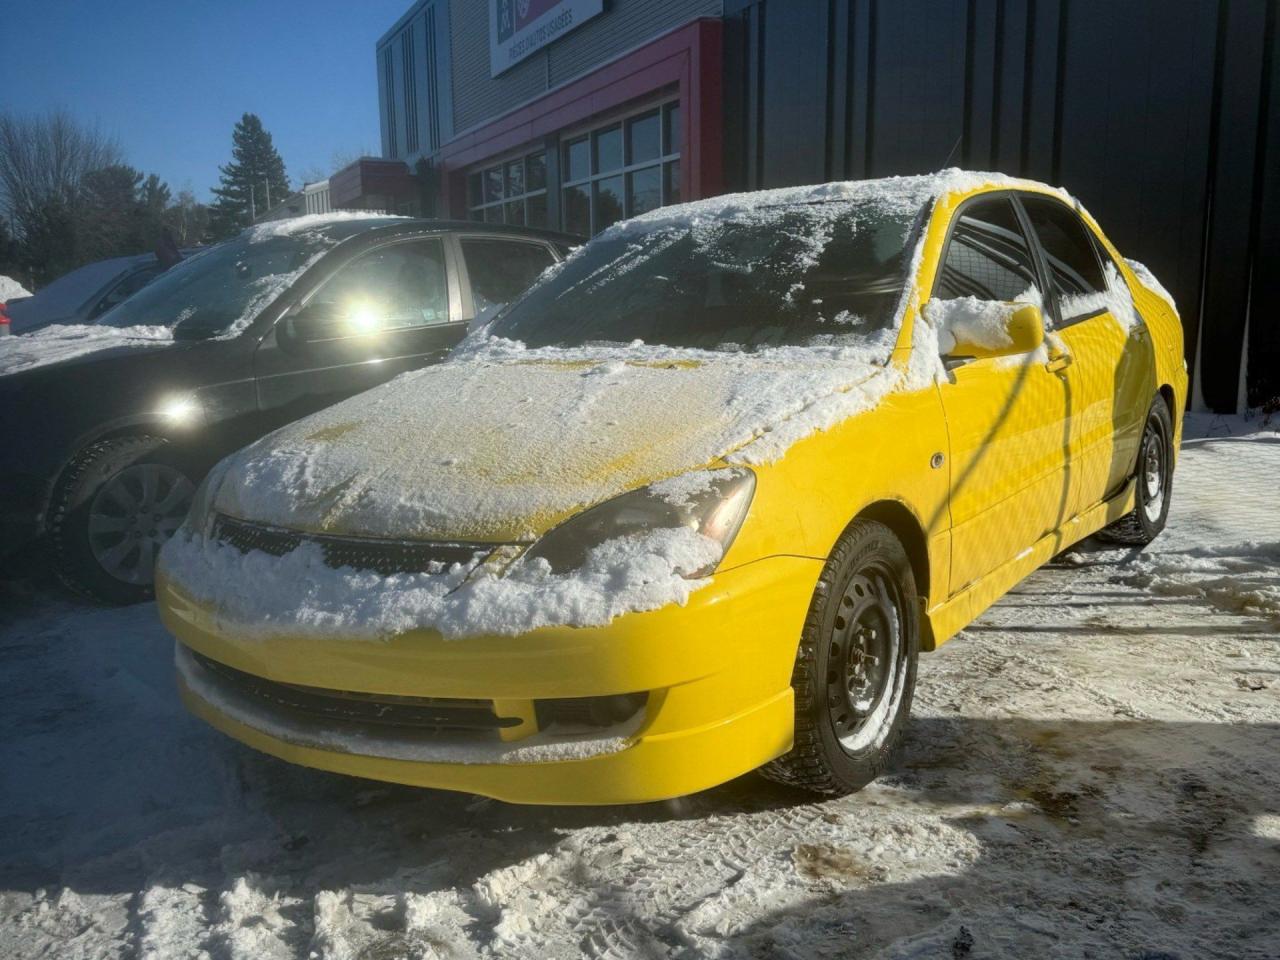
{"x":108,"y":433}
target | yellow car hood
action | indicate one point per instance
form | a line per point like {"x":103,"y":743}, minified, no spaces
{"x":501,"y":451}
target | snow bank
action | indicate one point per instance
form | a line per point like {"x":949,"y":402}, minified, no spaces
{"x":266,"y":595}
{"x":59,"y":343}
{"x":11,"y":289}
{"x":1236,"y":578}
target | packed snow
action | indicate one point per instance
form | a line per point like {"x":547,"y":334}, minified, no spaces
{"x":11,"y":289}
{"x":1091,"y":770}
{"x":257,"y":594}
{"x":58,"y":344}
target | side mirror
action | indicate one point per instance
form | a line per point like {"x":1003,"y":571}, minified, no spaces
{"x":969,"y":327}
{"x":316,"y":322}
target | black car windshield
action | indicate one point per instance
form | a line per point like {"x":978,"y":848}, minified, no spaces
{"x":830,"y":272}
{"x":224,"y":288}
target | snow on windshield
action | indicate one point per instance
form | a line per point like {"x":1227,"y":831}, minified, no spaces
{"x":221,"y":291}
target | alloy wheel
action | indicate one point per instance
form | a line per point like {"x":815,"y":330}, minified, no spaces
{"x":131,"y":517}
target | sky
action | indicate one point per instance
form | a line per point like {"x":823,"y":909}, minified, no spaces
{"x":170,"y":80}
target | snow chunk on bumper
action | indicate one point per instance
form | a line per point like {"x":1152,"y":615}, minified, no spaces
{"x":266,"y":595}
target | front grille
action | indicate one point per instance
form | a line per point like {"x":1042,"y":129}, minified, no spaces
{"x":367,"y":709}
{"x":386,"y":557}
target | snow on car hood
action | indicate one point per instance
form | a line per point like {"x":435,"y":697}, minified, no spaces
{"x":501,"y":442}
{"x":59,"y":343}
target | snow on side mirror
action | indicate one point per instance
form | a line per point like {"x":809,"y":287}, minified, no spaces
{"x":969,"y":327}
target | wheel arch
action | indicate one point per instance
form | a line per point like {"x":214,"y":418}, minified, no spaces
{"x":906,"y":526}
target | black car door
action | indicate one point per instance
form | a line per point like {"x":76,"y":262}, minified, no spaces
{"x":392,"y":308}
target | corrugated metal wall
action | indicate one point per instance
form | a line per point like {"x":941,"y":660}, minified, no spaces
{"x":1163,"y":116}
{"x":625,"y":24}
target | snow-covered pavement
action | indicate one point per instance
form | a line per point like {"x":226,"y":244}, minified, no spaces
{"x":1093,"y":770}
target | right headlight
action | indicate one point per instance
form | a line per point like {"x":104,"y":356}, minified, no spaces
{"x":712,"y":502}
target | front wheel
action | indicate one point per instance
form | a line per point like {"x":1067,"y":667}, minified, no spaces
{"x":116,"y":505}
{"x":855,"y":669}
{"x":1154,"y":478}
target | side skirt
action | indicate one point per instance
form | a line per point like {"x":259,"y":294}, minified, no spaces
{"x":950,"y":617}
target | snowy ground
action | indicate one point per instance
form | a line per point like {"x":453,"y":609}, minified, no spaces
{"x":1093,"y":770}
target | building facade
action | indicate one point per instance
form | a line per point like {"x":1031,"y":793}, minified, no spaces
{"x":1163,"y":116}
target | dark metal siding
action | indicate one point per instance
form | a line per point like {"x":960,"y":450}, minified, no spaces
{"x":415,"y":83}
{"x":1163,"y":116}
{"x":625,"y":24}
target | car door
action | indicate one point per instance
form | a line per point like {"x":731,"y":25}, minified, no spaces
{"x":1007,"y":418}
{"x":391,"y":308}
{"x":499,"y":269}
{"x":1111,"y":378}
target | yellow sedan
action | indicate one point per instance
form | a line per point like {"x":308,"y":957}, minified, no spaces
{"x":694,"y":504}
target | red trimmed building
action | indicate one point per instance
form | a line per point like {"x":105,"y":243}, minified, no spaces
{"x":573,"y":113}
{"x":618,"y":114}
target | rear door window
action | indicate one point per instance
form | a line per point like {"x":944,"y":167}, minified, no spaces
{"x":988,"y":256}
{"x":501,"y":270}
{"x":1074,"y":269}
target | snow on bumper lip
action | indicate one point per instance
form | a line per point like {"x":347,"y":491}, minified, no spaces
{"x":717,"y":672}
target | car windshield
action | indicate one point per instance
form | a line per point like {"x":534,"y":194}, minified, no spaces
{"x":830,"y":272}
{"x":224,"y":288}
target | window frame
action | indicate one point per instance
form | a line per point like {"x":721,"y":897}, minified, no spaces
{"x":468,"y":303}
{"x":500,"y":162}
{"x":452,"y":277}
{"x":661,"y":106}
{"x":1049,"y":310}
{"x":1043,"y":257}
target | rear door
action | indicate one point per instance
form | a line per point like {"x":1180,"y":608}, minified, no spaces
{"x":389,"y":309}
{"x":1007,"y":418}
{"x":1111,"y":377}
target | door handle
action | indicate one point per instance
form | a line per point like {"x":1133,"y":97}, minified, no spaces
{"x":1060,"y":362}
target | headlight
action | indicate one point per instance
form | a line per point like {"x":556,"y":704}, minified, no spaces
{"x":712,"y":502}
{"x":200,"y":516}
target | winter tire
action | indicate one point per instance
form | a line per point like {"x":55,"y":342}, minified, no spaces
{"x":114,"y":507}
{"x":855,"y":668}
{"x":1154,"y":481}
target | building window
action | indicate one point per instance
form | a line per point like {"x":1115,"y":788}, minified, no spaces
{"x":622,"y":169}
{"x":410,"y":90}
{"x":513,"y":192}
{"x":388,"y":83}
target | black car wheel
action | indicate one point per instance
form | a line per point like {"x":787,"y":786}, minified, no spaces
{"x":855,"y":668}
{"x":1154,"y":479}
{"x":116,"y":505}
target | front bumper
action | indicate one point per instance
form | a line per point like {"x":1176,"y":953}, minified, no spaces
{"x":717,"y":673}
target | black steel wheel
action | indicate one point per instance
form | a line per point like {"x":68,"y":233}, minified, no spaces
{"x":1153,"y":474}
{"x":856,"y":665}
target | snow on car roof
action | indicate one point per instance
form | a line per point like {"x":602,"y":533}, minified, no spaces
{"x":902,"y":195}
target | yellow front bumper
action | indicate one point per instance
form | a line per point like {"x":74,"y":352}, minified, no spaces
{"x":717,"y":672}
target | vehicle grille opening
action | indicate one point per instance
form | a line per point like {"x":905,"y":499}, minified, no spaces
{"x":589,"y":711}
{"x":364,"y":709}
{"x":386,"y":557}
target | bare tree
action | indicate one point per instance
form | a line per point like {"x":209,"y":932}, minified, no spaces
{"x":45,"y":158}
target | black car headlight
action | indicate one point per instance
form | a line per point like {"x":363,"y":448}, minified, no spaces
{"x":711,"y":502}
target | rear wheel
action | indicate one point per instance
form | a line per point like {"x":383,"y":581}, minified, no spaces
{"x":1154,"y":477}
{"x":116,"y":505}
{"x":855,"y":668}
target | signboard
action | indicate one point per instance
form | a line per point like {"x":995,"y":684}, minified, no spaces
{"x":518,"y":28}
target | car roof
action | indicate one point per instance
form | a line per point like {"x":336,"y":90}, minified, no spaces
{"x":419,"y":224}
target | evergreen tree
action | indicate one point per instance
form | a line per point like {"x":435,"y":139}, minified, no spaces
{"x":254,"y":174}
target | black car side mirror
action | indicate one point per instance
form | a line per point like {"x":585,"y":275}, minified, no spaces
{"x":315,"y":322}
